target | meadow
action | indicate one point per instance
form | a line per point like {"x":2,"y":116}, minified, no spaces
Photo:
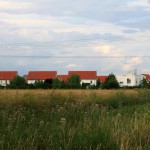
{"x":75,"y":119}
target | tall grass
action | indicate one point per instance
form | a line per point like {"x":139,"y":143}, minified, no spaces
{"x":69,"y":121}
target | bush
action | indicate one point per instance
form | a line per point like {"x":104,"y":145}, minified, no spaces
{"x":17,"y":83}
{"x":111,"y":82}
{"x":74,"y":82}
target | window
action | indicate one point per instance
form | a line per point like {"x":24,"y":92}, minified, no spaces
{"x":121,"y":82}
{"x":91,"y":81}
{"x":128,"y":81}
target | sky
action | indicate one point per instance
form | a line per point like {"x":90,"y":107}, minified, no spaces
{"x":66,"y":35}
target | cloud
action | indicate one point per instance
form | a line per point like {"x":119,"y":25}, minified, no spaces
{"x":130,"y":31}
{"x":127,"y":67}
{"x":140,"y":3}
{"x":105,"y":49}
{"x":136,"y":61}
{"x":8,"y":5}
{"x":71,"y":66}
{"x":132,"y":64}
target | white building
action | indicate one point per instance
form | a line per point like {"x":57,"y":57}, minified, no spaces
{"x":6,"y":77}
{"x":129,"y":79}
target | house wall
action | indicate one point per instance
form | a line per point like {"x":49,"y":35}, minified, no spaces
{"x":33,"y":81}
{"x":91,"y":82}
{"x":132,"y":76}
{"x":4,"y":82}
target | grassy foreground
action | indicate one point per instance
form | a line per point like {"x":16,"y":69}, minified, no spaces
{"x":75,"y":120}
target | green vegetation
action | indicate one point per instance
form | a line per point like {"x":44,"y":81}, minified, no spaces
{"x":74,"y":82}
{"x":17,"y":83}
{"x":57,"y":83}
{"x":69,"y":120}
{"x":111,"y":82}
{"x":144,"y":83}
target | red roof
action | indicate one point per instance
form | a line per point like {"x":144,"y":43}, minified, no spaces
{"x":41,"y":75}
{"x":63,"y":77}
{"x":147,"y":76}
{"x":84,"y":74}
{"x":102,"y":78}
{"x":8,"y":75}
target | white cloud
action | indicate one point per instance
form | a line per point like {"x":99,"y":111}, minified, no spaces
{"x":105,"y":49}
{"x":141,"y":3}
{"x":71,"y":66}
{"x":8,"y":5}
{"x":137,"y":61}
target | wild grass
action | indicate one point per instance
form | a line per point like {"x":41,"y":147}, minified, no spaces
{"x":75,"y":120}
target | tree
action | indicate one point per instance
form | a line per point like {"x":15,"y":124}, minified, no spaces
{"x":48,"y":83}
{"x":144,"y":83}
{"x":57,"y":83}
{"x":111,"y":82}
{"x":74,"y":82}
{"x":18,"y":83}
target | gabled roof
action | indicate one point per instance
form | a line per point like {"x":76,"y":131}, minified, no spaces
{"x":41,"y":75}
{"x":102,"y":78}
{"x":63,"y":77}
{"x":84,"y":74}
{"x":8,"y":75}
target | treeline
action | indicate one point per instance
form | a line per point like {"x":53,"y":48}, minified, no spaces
{"x":72,"y":83}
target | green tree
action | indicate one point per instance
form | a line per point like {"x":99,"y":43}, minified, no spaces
{"x":144,"y":83}
{"x":48,"y":83}
{"x":111,"y":82}
{"x":57,"y":83}
{"x":18,"y":83}
{"x":74,"y":82}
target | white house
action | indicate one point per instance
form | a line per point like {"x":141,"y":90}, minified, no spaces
{"x":34,"y":76}
{"x":87,"y":77}
{"x":6,"y":77}
{"x":129,"y":79}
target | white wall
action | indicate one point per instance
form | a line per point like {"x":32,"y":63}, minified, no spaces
{"x":91,"y":82}
{"x":4,"y":82}
{"x":131,"y":76}
{"x":33,"y":81}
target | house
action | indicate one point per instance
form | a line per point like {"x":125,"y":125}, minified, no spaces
{"x":87,"y":77}
{"x":34,"y":76}
{"x":102,"y":78}
{"x":63,"y":78}
{"x":130,"y":79}
{"x":6,"y":77}
{"x":147,"y":77}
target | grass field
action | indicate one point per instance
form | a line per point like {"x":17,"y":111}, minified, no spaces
{"x":75,"y":119}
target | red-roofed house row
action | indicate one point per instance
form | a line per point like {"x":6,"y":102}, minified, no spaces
{"x":6,"y":77}
{"x":89,"y":77}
